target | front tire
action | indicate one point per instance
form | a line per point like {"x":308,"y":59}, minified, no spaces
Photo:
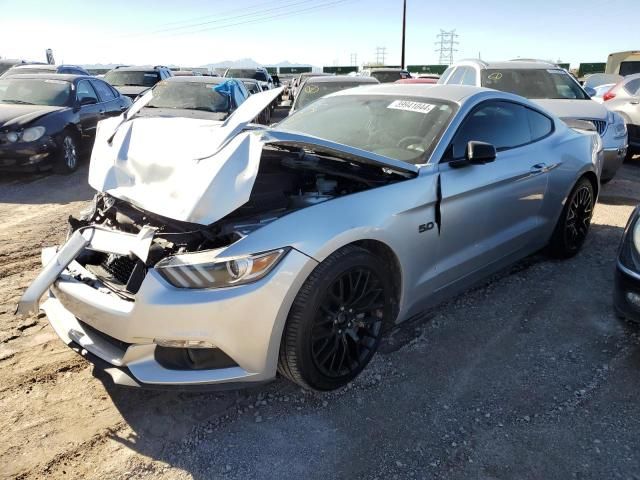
{"x":573,"y":225}
{"x":336,"y":320}
{"x":68,"y":154}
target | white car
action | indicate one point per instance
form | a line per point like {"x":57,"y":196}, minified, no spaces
{"x":555,"y":90}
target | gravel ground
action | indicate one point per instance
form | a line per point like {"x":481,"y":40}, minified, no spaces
{"x":529,"y":375}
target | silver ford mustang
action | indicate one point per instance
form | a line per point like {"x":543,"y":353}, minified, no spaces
{"x":221,"y":253}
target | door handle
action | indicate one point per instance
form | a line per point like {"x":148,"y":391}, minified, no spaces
{"x":634,"y":102}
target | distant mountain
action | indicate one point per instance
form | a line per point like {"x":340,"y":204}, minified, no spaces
{"x":242,"y":63}
{"x":251,"y":63}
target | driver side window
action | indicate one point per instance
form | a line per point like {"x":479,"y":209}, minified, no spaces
{"x":85,"y":90}
{"x":503,"y":124}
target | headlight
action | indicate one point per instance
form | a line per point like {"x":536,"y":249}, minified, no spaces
{"x":630,"y":248}
{"x":620,"y":128}
{"x":32,"y":134}
{"x":203,"y":270}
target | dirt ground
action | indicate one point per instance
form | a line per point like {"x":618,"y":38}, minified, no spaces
{"x":528,"y":376}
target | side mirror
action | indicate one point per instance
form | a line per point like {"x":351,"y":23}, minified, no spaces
{"x":88,"y":101}
{"x":479,"y":153}
{"x":590,"y":91}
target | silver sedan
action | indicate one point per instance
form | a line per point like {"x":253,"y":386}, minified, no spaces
{"x":218,"y":254}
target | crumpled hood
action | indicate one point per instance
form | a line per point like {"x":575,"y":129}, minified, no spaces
{"x":20,"y":115}
{"x":574,"y":108}
{"x":188,"y":169}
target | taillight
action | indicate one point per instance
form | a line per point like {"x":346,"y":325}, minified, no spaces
{"x":611,"y":94}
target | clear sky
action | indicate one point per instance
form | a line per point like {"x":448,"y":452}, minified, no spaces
{"x":320,"y":32}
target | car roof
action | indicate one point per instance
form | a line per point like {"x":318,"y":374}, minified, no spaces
{"x":511,"y":64}
{"x":137,"y":68}
{"x":49,"y":76}
{"x":387,"y":69}
{"x":316,"y":74}
{"x":44,"y":66}
{"x":341,"y":79}
{"x":197,"y":79}
{"x":453,"y":93}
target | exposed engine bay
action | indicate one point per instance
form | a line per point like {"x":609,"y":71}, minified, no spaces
{"x":289,"y":179}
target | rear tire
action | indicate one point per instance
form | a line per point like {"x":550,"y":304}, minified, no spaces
{"x":573,"y":225}
{"x":335,"y":323}
{"x":68,"y":155}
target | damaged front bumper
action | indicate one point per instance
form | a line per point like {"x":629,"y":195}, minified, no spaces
{"x":244,"y":323}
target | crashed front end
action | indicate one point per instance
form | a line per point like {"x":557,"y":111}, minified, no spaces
{"x":154,"y":283}
{"x":110,"y":298}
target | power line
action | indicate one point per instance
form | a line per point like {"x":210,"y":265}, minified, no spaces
{"x":218,"y":14}
{"x":266,"y":18}
{"x":235,"y":17}
{"x":446,"y":46}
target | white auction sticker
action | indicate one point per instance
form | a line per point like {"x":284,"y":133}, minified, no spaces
{"x":410,"y":106}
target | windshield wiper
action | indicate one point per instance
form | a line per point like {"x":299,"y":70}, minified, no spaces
{"x":18,"y":102}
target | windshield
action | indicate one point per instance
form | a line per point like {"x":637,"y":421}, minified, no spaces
{"x":252,"y":87}
{"x":246,"y":73}
{"x":598,"y":79}
{"x":189,"y":96}
{"x":402,"y":128}
{"x":313,"y":91}
{"x":128,"y":78}
{"x":4,"y":67}
{"x":27,"y":91}
{"x":534,"y":83}
{"x":388,"y":77}
{"x":629,"y":68}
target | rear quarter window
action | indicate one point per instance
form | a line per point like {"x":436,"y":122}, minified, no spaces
{"x":633,"y":87}
{"x":540,"y":125}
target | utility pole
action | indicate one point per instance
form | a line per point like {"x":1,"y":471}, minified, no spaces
{"x":354,"y":59}
{"x":404,"y":31}
{"x":446,"y":46}
{"x":381,"y":53}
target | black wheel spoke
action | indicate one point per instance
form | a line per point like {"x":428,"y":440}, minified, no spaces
{"x":578,"y":217}
{"x":348,"y":323}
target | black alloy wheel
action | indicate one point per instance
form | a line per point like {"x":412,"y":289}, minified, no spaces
{"x":573,"y":225}
{"x":579,"y":217}
{"x":348,"y":325}
{"x":336,"y":320}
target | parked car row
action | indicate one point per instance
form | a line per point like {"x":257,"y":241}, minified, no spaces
{"x":48,"y":113}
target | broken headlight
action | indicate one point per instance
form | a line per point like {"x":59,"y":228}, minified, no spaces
{"x":204,"y":270}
